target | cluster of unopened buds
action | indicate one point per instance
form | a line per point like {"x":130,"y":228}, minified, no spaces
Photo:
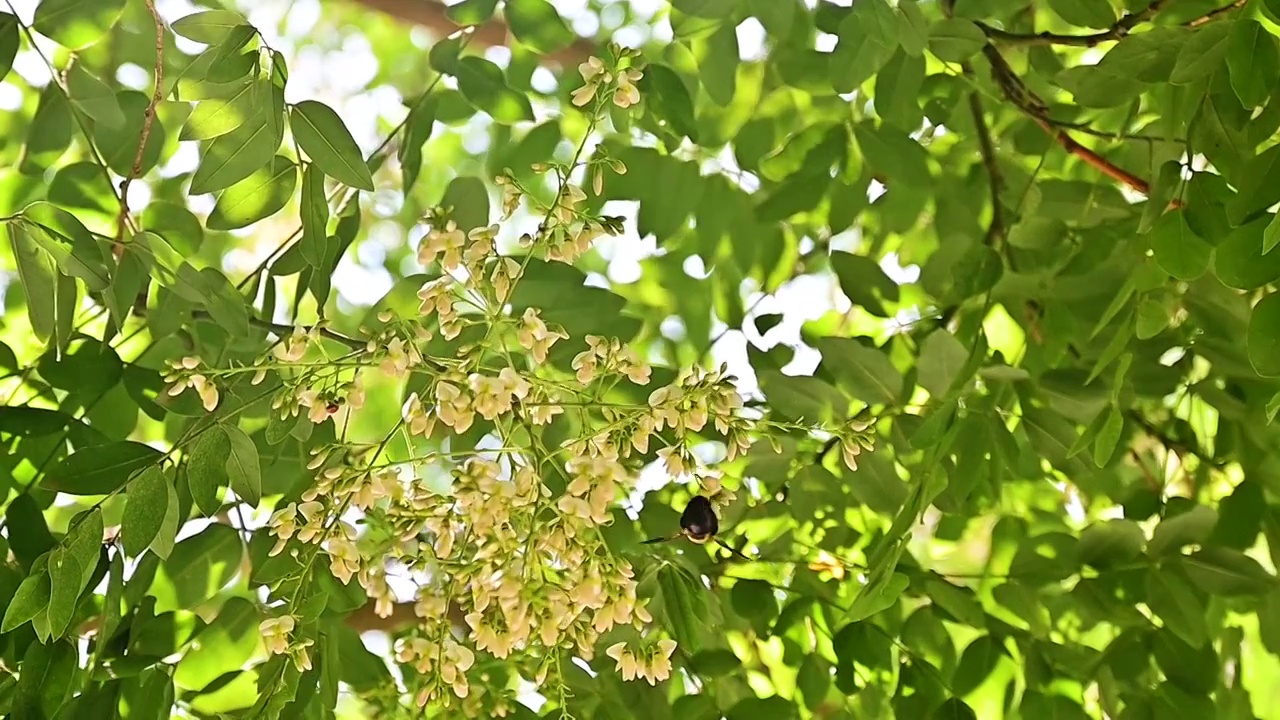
{"x":853,"y":440}
{"x":183,"y":376}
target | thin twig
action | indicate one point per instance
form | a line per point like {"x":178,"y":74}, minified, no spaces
{"x":996,"y":231}
{"x":285,"y":330}
{"x":148,"y":117}
{"x":1117,"y":31}
{"x":1028,"y":102}
{"x":1214,"y":14}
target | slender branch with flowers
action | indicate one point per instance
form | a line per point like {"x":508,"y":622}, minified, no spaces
{"x":514,"y":542}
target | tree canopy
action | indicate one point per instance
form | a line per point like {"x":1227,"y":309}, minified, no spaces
{"x":352,"y":350}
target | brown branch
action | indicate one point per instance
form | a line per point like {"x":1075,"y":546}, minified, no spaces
{"x":1025,"y":100}
{"x":430,"y":14}
{"x":1214,"y":14}
{"x":987,"y":148}
{"x":148,"y":117}
{"x":1118,"y":30}
{"x":996,"y":231}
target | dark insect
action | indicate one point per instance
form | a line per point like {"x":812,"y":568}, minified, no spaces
{"x":699,"y":523}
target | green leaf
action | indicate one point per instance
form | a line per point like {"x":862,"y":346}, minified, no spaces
{"x":261,"y":195}
{"x":813,"y":680}
{"x":1253,"y":61}
{"x":69,"y":243}
{"x":49,"y":133}
{"x":864,"y":282}
{"x":913,"y":29}
{"x":891,"y":151}
{"x":218,"y":116}
{"x":132,"y":275}
{"x":1086,"y":13}
{"x":1202,"y":54}
{"x":230,"y":158}
{"x":976,"y":664}
{"x":1263,"y":339}
{"x":718,"y":64}
{"x":1111,"y":542}
{"x":30,"y":537}
{"x":1271,"y":236}
{"x":867,"y":373}
{"x":145,"y":510}
{"x":65,"y":570}
{"x":1108,"y":437}
{"x":875,"y":599}
{"x":10,"y":41}
{"x":200,"y":566}
{"x":76,"y":24}
{"x":754,"y":600}
{"x":162,"y":544}
{"x":868,"y":38}
{"x":668,"y":98}
{"x":942,"y":357}
{"x":897,"y":90}
{"x":38,"y":274}
{"x":1172,"y":599}
{"x":469,"y":199}
{"x":210,"y":27}
{"x":483,"y":84}
{"x":471,"y":12}
{"x":1153,"y":318}
{"x":119,"y":145}
{"x":224,"y":302}
{"x":800,"y":398}
{"x":314,"y":209}
{"x":99,"y":470}
{"x":1257,"y":186}
{"x":710,"y":9}
{"x":418,"y":126}
{"x":207,"y":468}
{"x":1273,"y":407}
{"x":1178,"y":250}
{"x":1093,"y":87}
{"x":32,"y":597}
{"x":537,"y":24}
{"x":1227,"y":572}
{"x":111,"y":612}
{"x":954,"y":709}
{"x":243,"y":467}
{"x":224,"y":645}
{"x":326,"y":140}
{"x":93,"y":97}
{"x":1239,"y":261}
{"x":1188,"y":528}
{"x":684,"y":605}
{"x":955,"y":40}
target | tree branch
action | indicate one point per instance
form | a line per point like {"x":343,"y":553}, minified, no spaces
{"x":148,"y":117}
{"x":1016,"y":91}
{"x":996,"y":231}
{"x":1213,"y":14}
{"x":430,"y":14}
{"x":1118,"y":30}
{"x":285,"y":330}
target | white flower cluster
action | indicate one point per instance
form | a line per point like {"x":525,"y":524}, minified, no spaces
{"x":512,"y":551}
